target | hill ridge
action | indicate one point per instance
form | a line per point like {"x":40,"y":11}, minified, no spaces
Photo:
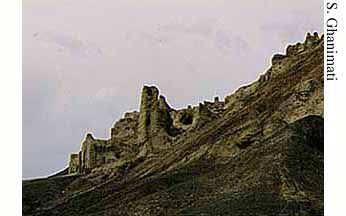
{"x":261,"y":141}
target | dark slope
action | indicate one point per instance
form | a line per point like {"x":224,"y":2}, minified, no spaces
{"x":42,"y":191}
{"x":282,"y":175}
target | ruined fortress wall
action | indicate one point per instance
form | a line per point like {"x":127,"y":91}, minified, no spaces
{"x":153,"y":128}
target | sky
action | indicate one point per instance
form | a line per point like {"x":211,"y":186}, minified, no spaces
{"x":85,"y":61}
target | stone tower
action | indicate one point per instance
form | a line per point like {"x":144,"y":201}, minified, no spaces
{"x":155,"y":122}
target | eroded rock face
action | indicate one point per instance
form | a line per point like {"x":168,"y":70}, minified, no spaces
{"x":154,"y":114}
{"x":74,"y":163}
{"x":149,"y":99}
{"x":126,"y":128}
{"x":157,"y":126}
{"x":94,"y":153}
{"x":147,"y":132}
{"x":88,"y":154}
{"x":256,"y":152}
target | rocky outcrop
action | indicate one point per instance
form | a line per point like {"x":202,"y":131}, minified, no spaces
{"x":147,"y":132}
{"x":258,"y":152}
{"x":149,"y":99}
{"x":74,"y":163}
{"x":157,"y":126}
{"x":94,"y":153}
{"x":155,"y":123}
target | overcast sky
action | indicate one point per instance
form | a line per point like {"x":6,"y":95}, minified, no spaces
{"x":85,"y":61}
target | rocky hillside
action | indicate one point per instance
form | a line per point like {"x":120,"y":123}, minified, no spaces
{"x":258,"y":152}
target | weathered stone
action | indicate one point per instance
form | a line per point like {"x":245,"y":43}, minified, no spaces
{"x":149,"y":99}
{"x":277,"y":59}
{"x":203,"y":115}
{"x":160,"y":118}
{"x":88,"y":153}
{"x":156,"y":124}
{"x":258,"y":153}
{"x":311,"y":40}
{"x":74,"y":165}
{"x":125,"y":130}
{"x":96,"y":152}
{"x":183,"y":119}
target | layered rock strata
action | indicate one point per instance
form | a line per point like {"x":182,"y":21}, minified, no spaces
{"x":153,"y":128}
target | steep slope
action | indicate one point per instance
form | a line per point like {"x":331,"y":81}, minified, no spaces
{"x":259,"y":152}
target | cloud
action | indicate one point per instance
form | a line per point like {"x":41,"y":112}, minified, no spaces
{"x":68,"y":43}
{"x":206,"y":30}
